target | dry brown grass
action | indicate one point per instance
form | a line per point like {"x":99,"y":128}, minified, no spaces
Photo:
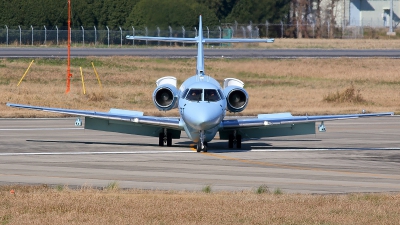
{"x":331,"y":43}
{"x":60,"y":205}
{"x":274,"y":85}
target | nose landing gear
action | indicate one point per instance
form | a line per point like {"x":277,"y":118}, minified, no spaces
{"x":201,"y":145}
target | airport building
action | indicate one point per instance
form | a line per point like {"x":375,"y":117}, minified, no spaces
{"x":373,"y":13}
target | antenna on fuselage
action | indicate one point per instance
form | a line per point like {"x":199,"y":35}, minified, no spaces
{"x":200,"y":50}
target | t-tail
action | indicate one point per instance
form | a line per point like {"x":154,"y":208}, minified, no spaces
{"x":200,"y":40}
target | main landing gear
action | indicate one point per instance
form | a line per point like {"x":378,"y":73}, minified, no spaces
{"x":235,"y":139}
{"x":165,"y":137}
{"x":201,"y":144}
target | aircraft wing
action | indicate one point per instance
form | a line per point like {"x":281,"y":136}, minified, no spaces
{"x":281,"y":124}
{"x":118,"y":120}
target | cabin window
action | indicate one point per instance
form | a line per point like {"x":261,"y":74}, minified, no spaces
{"x":211,"y":95}
{"x":195,"y":95}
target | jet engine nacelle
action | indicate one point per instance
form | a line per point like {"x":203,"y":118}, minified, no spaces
{"x":165,"y":96}
{"x":236,"y":98}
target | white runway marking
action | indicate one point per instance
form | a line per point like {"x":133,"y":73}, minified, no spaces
{"x":191,"y":151}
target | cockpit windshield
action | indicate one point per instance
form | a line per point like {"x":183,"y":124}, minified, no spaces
{"x":194,"y":95}
{"x":211,"y":95}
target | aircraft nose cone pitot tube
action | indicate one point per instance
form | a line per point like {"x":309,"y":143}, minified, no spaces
{"x":202,"y":116}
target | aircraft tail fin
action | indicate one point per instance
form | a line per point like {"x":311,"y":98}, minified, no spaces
{"x":199,"y":40}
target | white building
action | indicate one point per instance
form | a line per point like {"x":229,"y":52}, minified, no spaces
{"x":374,"y":13}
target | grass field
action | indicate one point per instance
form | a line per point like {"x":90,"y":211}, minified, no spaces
{"x":275,"y":85}
{"x":60,"y":205}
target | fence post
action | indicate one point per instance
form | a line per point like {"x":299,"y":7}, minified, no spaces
{"x":208,"y":34}
{"x":57,"y":34}
{"x":108,"y":37}
{"x":183,"y":35}
{"x":170,"y":34}
{"x":258,"y":32}
{"x":281,"y":29}
{"x":251,"y":29}
{"x":120,"y":29}
{"x":83,"y":36}
{"x":158,"y":34}
{"x":133,"y":34}
{"x":95,"y":35}
{"x":329,"y":31}
{"x":266,"y":27}
{"x":147,"y":33}
{"x":243,"y":32}
{"x":20,"y":43}
{"x":32,"y":34}
{"x":220,"y":34}
{"x":45,"y":34}
{"x":7,"y":35}
{"x":313,"y":33}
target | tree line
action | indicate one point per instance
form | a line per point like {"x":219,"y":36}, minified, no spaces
{"x":140,"y":13}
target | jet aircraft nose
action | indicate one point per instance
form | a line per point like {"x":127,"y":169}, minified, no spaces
{"x":202,"y":116}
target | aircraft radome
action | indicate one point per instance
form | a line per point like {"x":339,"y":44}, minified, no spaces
{"x":202,"y":104}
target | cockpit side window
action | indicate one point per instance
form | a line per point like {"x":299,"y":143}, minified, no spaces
{"x":184,"y":93}
{"x":220,"y":93}
{"x":211,"y":95}
{"x":194,"y":95}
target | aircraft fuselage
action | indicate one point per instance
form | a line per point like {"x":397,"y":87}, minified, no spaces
{"x":202,"y":107}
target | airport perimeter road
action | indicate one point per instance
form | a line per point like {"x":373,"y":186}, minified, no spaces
{"x":192,"y":52}
{"x":360,"y":155}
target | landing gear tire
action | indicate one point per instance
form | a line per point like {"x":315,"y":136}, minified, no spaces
{"x":239,"y":141}
{"x":169,"y":139}
{"x":199,"y":149}
{"x":230,"y":142}
{"x":161,"y":139}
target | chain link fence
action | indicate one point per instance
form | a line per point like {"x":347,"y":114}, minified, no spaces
{"x":92,"y":36}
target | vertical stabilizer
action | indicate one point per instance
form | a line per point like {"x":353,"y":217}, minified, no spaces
{"x":200,"y":50}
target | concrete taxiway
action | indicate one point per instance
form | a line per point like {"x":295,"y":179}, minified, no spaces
{"x":360,"y":155}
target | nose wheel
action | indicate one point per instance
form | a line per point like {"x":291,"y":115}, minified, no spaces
{"x":235,"y":140}
{"x":201,"y":145}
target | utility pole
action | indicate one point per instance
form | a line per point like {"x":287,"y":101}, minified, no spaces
{"x":391,"y":32}
{"x":69,"y":75}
